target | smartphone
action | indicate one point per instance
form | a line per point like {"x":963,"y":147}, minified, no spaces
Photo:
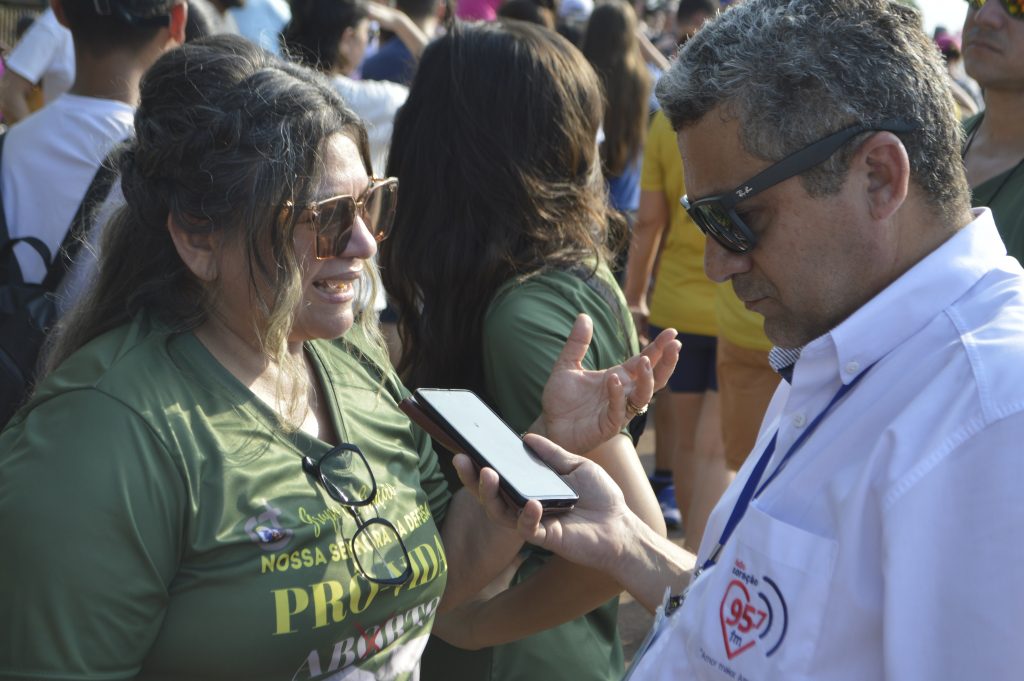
{"x":489,"y":441}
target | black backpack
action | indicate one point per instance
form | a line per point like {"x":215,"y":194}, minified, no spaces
{"x":28,"y":311}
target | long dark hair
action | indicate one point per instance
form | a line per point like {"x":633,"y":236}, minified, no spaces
{"x":496,"y":152}
{"x":314,"y":32}
{"x":611,"y":46}
{"x":225,"y":134}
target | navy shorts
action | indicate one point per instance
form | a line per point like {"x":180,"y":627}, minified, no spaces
{"x":695,"y":372}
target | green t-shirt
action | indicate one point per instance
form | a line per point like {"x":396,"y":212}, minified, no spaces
{"x":1004,"y":194}
{"x":158,"y":525}
{"x":524,"y":330}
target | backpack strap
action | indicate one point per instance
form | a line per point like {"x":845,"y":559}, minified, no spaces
{"x":97,"y":192}
{"x":4,"y":236}
{"x":7,"y":251}
{"x":10,"y":271}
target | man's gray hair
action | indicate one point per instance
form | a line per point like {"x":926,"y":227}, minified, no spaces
{"x":793,"y":71}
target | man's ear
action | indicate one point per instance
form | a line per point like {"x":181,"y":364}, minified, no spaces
{"x":179,"y":17}
{"x":197,"y":249}
{"x":888,"y":173}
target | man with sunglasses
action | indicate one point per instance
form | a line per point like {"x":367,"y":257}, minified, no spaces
{"x":993,"y":52}
{"x":874,"y":530}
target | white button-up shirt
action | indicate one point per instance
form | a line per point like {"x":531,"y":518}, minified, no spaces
{"x":891,"y":545}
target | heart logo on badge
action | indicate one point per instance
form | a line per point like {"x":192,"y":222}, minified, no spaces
{"x":739,"y":618}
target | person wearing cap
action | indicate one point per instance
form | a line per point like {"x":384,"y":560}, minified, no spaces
{"x":50,"y":158}
{"x":874,"y":531}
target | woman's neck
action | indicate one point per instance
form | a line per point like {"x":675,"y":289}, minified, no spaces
{"x":292,"y":389}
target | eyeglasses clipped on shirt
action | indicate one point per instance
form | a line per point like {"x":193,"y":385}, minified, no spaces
{"x":716,"y":215}
{"x":377,"y":547}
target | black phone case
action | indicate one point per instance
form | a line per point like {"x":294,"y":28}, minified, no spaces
{"x":422,"y":410}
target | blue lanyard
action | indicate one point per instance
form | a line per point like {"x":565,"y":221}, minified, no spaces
{"x":748,"y":493}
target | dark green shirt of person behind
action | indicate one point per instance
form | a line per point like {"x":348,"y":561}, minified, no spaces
{"x":1004,"y":194}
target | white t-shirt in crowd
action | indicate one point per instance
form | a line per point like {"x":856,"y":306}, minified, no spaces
{"x":45,"y":54}
{"x":49,"y":159}
{"x":262,"y":21}
{"x":890,"y":545}
{"x":376,"y":102}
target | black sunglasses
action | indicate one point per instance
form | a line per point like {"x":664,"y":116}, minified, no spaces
{"x":333,"y":218}
{"x":716,"y":215}
{"x":1015,"y":8}
{"x":379,"y":552}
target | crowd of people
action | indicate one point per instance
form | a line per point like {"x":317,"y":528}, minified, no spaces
{"x":244,"y":231}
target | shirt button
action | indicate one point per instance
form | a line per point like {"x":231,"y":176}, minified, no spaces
{"x":799,"y":420}
{"x":852,"y":367}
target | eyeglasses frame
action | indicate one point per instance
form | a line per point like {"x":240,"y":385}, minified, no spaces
{"x":312,"y":467}
{"x":796,"y":163}
{"x":1014,"y":12}
{"x":359,"y":206}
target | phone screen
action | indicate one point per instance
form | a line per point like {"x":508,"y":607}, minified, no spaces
{"x":490,"y":439}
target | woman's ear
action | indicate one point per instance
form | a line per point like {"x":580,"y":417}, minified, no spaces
{"x":888,"y":173}
{"x":197,"y":249}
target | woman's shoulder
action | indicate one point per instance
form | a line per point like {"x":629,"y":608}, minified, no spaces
{"x":554,"y":287}
{"x":111,"y":359}
{"x":368,"y":97}
{"x":522,"y":297}
{"x":550,"y":301}
{"x":133,"y":367}
{"x":117,"y":387}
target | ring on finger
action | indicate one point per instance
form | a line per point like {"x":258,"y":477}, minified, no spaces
{"x":635,"y":410}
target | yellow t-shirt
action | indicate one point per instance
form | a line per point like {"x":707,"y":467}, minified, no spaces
{"x":683,"y":296}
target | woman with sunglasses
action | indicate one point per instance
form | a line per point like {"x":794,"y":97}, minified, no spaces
{"x":499,"y":242}
{"x":214,"y":480}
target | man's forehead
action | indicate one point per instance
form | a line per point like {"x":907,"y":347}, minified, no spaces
{"x":714,"y":159}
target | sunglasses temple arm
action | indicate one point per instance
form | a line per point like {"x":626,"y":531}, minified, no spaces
{"x":808,"y":157}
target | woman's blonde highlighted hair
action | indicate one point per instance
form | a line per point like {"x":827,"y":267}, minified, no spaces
{"x":225,"y":135}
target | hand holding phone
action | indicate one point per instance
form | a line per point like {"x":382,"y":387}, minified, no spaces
{"x":475,"y":429}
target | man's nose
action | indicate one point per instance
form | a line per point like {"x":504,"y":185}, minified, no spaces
{"x":720,"y":264}
{"x":991,"y":14}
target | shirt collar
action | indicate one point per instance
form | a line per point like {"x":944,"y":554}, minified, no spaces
{"x":782,"y":361}
{"x":907,"y":304}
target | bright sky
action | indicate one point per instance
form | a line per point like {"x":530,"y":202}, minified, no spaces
{"x":948,"y":13}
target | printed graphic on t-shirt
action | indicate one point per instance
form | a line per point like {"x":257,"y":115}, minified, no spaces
{"x":355,"y":627}
{"x":266,"y":531}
